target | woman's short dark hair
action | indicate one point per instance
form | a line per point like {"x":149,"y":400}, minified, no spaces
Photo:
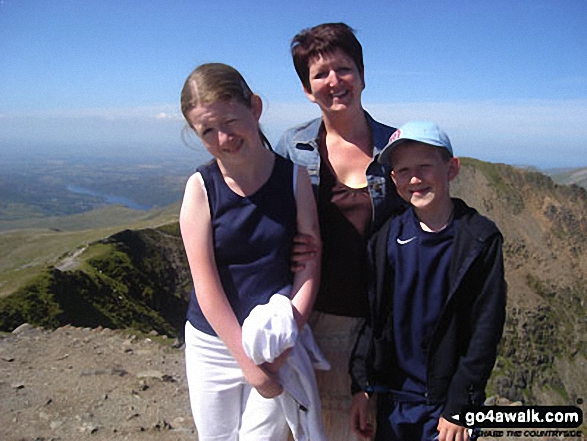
{"x":324,"y":39}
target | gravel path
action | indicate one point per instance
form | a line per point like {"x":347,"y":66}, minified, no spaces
{"x":74,"y":384}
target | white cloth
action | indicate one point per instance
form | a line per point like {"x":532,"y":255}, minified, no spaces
{"x":224,"y":405}
{"x":269,"y":330}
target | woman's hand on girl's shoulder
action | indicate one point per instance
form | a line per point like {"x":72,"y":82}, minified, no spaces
{"x":305,"y":249}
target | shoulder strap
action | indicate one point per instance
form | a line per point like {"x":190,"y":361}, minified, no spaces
{"x":204,"y":175}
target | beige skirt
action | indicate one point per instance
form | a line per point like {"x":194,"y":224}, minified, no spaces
{"x":336,"y":336}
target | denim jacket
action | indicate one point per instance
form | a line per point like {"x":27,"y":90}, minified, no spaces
{"x":300,"y":144}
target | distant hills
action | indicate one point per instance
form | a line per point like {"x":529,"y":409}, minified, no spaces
{"x":33,"y":189}
{"x":577,"y":176}
{"x":138,"y":277}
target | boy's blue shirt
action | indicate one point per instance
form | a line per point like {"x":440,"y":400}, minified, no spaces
{"x":422,"y":260}
{"x":462,"y":350}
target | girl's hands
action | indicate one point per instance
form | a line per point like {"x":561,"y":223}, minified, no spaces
{"x":265,"y":382}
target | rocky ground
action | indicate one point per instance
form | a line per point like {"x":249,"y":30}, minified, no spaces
{"x":74,"y":384}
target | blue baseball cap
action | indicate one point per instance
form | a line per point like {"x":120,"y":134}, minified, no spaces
{"x":421,"y":131}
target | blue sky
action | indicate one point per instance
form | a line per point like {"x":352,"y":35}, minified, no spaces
{"x":506,"y":79}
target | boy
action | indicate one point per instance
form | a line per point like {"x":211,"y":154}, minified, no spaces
{"x":437,"y":300}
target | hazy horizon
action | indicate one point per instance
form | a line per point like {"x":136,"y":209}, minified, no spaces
{"x":506,"y":80}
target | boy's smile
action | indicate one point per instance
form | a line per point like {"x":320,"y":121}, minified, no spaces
{"x":422,"y":176}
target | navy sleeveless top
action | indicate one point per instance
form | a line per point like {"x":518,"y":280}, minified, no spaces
{"x":253,"y":239}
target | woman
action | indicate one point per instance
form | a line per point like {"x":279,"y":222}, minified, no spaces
{"x":239,"y":215}
{"x":354,"y":193}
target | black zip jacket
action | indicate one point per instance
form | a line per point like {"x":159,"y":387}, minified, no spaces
{"x":462,"y":350}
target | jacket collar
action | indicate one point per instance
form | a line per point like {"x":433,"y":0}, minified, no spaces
{"x":479,"y":227}
{"x":309,"y":131}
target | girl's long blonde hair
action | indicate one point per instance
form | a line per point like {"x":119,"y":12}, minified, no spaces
{"x":212,"y":82}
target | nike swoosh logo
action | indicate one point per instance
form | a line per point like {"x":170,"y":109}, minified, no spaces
{"x":403,"y":242}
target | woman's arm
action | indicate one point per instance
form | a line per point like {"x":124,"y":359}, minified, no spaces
{"x":306,"y":279}
{"x":196,"y":230}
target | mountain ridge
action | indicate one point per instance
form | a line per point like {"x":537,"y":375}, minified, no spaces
{"x":569,"y":176}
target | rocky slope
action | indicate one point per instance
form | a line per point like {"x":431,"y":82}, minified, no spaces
{"x":74,"y":384}
{"x":543,"y":356}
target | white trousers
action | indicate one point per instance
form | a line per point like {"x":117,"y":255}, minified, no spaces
{"x":225,"y":407}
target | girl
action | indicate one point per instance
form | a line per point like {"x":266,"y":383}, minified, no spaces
{"x":238,"y":219}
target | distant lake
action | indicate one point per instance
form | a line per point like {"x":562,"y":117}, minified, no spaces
{"x":108,"y":198}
